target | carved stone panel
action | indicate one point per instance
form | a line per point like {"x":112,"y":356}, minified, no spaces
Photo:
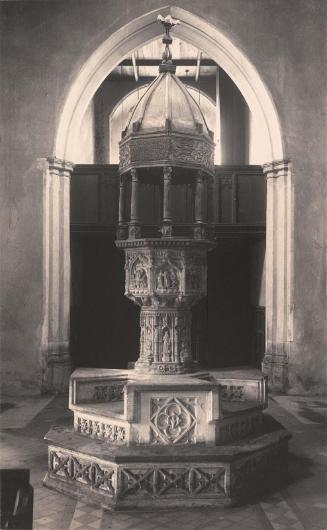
{"x":157,"y":150}
{"x":137,"y":273}
{"x":232,"y":392}
{"x":109,"y":392}
{"x":69,"y":467}
{"x":165,"y":336}
{"x":109,"y":432}
{"x":167,"y":279}
{"x":173,"y":421}
{"x":172,"y":481}
{"x":238,"y":428}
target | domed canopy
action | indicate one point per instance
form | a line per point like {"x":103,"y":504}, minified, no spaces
{"x":167,"y":127}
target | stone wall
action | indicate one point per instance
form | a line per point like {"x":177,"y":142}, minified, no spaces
{"x":44,"y":44}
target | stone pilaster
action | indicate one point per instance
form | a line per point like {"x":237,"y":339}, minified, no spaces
{"x":279,"y":273}
{"x":56,"y":362}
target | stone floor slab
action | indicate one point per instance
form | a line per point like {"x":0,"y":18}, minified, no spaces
{"x":302,"y":501}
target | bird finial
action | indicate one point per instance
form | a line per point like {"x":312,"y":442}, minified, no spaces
{"x":168,"y":23}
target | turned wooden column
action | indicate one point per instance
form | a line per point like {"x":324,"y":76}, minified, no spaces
{"x":212,"y":203}
{"x":167,"y":213}
{"x":199,"y":214}
{"x":121,"y":231}
{"x":134,"y":230}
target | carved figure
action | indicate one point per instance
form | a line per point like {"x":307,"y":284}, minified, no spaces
{"x":148,"y":341}
{"x":167,"y":279}
{"x":184,"y":351}
{"x":160,"y":280}
{"x":195,"y":279}
{"x":140,"y":278}
{"x":166,"y":347}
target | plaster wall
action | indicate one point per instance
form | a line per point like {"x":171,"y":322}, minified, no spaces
{"x":43,"y":46}
{"x":87,"y":137}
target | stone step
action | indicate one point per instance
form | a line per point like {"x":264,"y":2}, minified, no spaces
{"x":108,"y":385}
{"x":161,"y":476}
{"x":236,"y":408}
{"x":111,"y":409}
{"x":103,"y":421}
{"x":241,"y":384}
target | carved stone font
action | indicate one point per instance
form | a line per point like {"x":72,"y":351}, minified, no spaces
{"x":165,"y":277}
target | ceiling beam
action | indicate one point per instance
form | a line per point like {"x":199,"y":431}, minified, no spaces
{"x":177,"y":62}
{"x":136,"y":75}
{"x":198,"y":63}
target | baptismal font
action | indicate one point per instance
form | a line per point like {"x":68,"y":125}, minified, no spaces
{"x":166,"y":433}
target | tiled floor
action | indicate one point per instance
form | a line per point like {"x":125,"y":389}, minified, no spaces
{"x":301,"y":505}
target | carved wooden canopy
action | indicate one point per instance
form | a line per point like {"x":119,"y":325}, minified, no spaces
{"x":167,"y":127}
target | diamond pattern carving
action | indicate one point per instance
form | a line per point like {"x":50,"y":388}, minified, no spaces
{"x":84,"y":471}
{"x":156,"y":482}
{"x":173,"y":421}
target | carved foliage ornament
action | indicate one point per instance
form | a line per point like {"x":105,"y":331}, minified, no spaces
{"x":153,"y":150}
{"x":103,"y":431}
{"x":113,"y":392}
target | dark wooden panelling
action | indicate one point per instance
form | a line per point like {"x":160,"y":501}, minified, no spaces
{"x":100,"y":315}
{"x":239,"y":208}
{"x":259,"y":335}
{"x":241,"y":192}
{"x":94,"y":196}
{"x":85,"y":199}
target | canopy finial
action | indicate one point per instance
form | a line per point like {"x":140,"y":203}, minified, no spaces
{"x":168,"y":23}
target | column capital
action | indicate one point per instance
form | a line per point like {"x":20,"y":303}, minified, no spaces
{"x":199,"y":176}
{"x":276,"y":168}
{"x":167,"y":172}
{"x":59,"y":165}
{"x":62,"y":168}
{"x":134,"y":174}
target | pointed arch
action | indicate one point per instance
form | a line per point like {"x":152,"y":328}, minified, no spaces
{"x":139,"y":32}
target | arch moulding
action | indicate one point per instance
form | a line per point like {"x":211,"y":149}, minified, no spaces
{"x":279,"y":240}
{"x":144,"y":29}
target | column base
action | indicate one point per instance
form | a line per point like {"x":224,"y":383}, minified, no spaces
{"x":57,"y":373}
{"x":275,"y":367}
{"x":165,"y":368}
